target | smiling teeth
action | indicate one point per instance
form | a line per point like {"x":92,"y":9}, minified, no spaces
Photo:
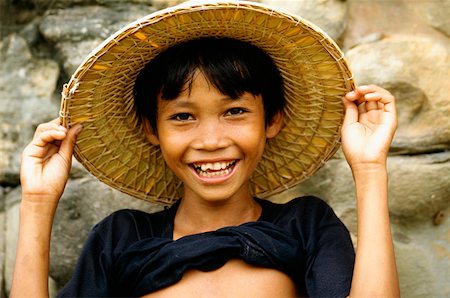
{"x":214,"y":174}
{"x":214,"y":169}
{"x":214,"y":166}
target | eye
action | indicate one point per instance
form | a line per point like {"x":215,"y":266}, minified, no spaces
{"x":182,"y":117}
{"x":235,"y":111}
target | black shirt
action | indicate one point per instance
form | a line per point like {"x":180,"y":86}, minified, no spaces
{"x":131,"y":253}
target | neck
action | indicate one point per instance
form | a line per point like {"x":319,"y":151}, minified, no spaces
{"x":195,"y":217}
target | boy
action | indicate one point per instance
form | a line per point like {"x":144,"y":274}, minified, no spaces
{"x":213,"y":107}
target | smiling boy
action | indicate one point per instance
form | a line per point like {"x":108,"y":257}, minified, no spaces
{"x":212,"y":140}
{"x":212,"y":108}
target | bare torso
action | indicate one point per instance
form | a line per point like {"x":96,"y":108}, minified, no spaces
{"x":235,"y":279}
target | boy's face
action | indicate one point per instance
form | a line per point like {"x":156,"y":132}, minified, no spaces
{"x":211,"y":142}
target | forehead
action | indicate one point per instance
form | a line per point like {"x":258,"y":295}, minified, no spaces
{"x":210,"y":100}
{"x":200,"y":91}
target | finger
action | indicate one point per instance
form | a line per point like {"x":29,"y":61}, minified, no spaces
{"x":383,"y":99}
{"x":351,"y":112}
{"x":48,"y":137}
{"x":53,"y":123}
{"x":68,"y":143}
{"x":375,"y":93}
{"x":51,"y":151}
{"x":371,"y":105}
{"x":48,"y":126}
{"x":354,"y":96}
{"x":365,"y":89}
{"x":362,"y":107}
{"x":43,"y":143}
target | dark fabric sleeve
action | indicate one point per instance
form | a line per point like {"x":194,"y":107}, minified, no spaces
{"x":95,"y":274}
{"x":331,"y":256}
{"x":91,"y":275}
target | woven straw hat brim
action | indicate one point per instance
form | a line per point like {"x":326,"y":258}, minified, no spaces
{"x":112,"y":144}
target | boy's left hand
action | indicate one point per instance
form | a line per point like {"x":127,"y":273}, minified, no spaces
{"x":369,"y":125}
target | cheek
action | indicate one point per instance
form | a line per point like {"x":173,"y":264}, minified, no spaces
{"x":173,"y":157}
{"x":171,"y":146}
{"x":253,"y":139}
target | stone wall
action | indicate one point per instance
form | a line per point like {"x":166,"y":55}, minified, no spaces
{"x":402,"y":45}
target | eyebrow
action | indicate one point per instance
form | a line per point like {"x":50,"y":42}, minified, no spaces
{"x":180,"y":103}
{"x":183,"y":103}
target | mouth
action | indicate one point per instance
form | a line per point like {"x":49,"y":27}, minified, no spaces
{"x":214,"y":169}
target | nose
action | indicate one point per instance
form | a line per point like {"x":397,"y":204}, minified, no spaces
{"x":211,"y":135}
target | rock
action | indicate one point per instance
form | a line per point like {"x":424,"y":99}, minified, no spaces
{"x":2,"y":252}
{"x":73,"y":53}
{"x":434,"y":12}
{"x":412,"y":197}
{"x":44,"y":5}
{"x":26,"y":89}
{"x":89,"y":22}
{"x":79,"y":30}
{"x":423,"y":259}
{"x":78,"y":171}
{"x":160,"y":4}
{"x":330,"y":15}
{"x":78,"y":23}
{"x":418,"y":78}
{"x":52,"y":287}
{"x":12,"y":46}
{"x":386,"y":18}
{"x":419,"y":186}
{"x":85,"y":202}
{"x":30,"y":32}
{"x":2,"y":201}
{"x":11,"y":235}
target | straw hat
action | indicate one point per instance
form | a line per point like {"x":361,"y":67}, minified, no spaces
{"x":112,"y":144}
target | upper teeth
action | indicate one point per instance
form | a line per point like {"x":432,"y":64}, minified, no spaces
{"x":216,"y":166}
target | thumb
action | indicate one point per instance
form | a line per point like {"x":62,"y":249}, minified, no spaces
{"x":351,"y":112}
{"x":68,"y":143}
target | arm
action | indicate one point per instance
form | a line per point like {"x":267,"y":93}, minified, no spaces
{"x":44,"y":172}
{"x":369,"y":126}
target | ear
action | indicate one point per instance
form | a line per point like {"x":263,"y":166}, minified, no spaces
{"x":150,"y":133}
{"x":274,"y":126}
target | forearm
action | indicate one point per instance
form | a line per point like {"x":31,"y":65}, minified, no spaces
{"x":375,"y":273}
{"x":31,"y":268}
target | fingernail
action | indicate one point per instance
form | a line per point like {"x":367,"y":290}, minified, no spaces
{"x":78,"y":129}
{"x":351,"y":94}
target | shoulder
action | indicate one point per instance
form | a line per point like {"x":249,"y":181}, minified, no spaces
{"x":123,"y":217}
{"x":306,"y":217}
{"x":304,"y":208}
{"x":308,"y":202}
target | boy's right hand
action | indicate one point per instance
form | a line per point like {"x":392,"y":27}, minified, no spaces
{"x":46,"y":162}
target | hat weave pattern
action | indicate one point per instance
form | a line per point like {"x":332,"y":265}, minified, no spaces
{"x":112,"y":144}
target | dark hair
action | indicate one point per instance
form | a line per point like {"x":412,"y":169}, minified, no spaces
{"x":231,"y":66}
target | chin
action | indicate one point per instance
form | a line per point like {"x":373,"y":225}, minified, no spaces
{"x":217,"y":195}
